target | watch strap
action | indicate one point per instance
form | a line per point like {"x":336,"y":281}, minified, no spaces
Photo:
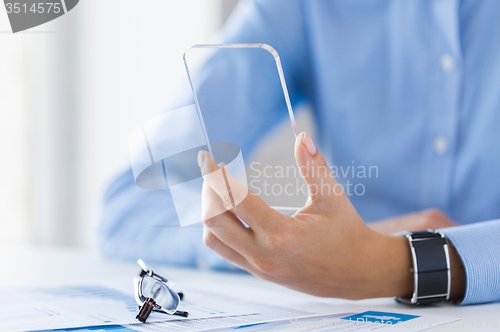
{"x":431,"y":268}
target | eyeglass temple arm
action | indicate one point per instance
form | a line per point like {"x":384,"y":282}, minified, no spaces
{"x":153,"y":275}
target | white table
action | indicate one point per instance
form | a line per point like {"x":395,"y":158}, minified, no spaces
{"x":37,"y":266}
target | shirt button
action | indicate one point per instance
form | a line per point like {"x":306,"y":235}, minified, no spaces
{"x":440,"y":145}
{"x":447,"y":63}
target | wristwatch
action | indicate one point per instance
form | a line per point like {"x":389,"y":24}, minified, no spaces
{"x":431,"y":268}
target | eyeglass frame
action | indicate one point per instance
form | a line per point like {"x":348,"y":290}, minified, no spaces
{"x":141,"y":299}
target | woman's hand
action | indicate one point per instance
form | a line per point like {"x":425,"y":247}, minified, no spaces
{"x":325,"y":249}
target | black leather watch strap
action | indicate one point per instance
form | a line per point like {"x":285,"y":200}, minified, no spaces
{"x":431,"y":267}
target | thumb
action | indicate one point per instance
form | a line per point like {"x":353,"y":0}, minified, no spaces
{"x":315,"y":171}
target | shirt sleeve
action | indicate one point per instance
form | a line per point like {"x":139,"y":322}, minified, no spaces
{"x":478,"y":247}
{"x":141,"y":223}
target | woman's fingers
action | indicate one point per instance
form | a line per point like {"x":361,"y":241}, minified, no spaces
{"x":315,"y":171}
{"x":223,"y":223}
{"x":248,"y":206}
{"x":213,"y":243}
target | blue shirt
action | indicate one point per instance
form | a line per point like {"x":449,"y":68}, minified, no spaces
{"x":412,"y":87}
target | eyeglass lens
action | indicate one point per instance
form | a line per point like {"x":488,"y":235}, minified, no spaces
{"x":163,"y":296}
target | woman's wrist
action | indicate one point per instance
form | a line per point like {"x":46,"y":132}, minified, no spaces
{"x":400,"y":274}
{"x":389,"y":266}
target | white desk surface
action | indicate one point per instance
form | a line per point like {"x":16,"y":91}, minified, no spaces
{"x":38,"y":266}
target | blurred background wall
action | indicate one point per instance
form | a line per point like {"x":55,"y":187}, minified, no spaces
{"x":72,"y":90}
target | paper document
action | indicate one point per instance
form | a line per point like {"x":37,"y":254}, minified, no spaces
{"x":78,"y":306}
{"x":360,"y":320}
{"x":283,"y":319}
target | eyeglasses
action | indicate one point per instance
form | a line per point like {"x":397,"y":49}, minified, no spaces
{"x":154,"y":293}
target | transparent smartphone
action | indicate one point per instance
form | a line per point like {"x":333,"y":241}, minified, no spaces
{"x":240,"y":92}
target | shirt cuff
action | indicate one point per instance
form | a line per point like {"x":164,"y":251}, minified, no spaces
{"x":479,"y":249}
